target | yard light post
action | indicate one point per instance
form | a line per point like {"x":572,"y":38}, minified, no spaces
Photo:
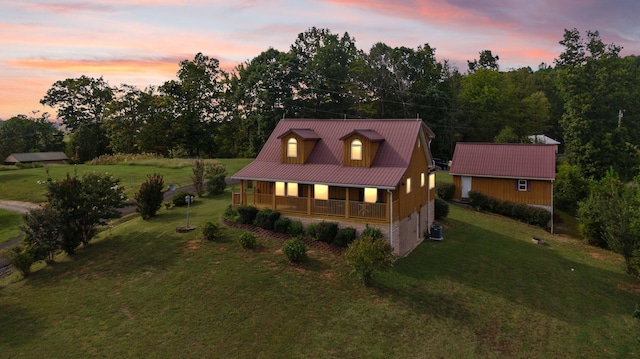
{"x":189,"y":200}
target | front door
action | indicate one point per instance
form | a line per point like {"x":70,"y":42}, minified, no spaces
{"x":466,"y":186}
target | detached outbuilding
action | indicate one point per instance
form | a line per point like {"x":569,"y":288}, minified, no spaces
{"x":37,"y":157}
{"x":522,"y":173}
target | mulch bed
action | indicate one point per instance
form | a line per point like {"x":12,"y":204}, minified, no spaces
{"x":277,"y":235}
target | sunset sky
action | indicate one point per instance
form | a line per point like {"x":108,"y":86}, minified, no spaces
{"x":141,"y":42}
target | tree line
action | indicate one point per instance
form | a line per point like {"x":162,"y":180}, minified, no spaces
{"x":589,"y":101}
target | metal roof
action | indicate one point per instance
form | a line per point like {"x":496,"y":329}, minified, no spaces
{"x":36,"y":157}
{"x":522,"y":161}
{"x":542,"y":139}
{"x":305,"y":133}
{"x":324,"y":164}
{"x":371,"y":135}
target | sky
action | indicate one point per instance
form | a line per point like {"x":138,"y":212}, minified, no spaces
{"x":141,"y":42}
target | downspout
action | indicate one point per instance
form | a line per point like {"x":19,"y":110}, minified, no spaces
{"x":390,"y":217}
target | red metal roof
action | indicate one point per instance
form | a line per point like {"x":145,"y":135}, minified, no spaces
{"x":324,"y":165}
{"x":524,"y":161}
{"x":305,"y":133}
{"x":371,"y":135}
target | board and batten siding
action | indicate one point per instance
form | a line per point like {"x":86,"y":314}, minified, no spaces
{"x":538,"y":194}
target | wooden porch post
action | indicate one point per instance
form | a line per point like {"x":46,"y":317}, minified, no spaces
{"x":243,"y":197}
{"x":309,"y":199}
{"x":346,"y":204}
{"x":273,"y":196}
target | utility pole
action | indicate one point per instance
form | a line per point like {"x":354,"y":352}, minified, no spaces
{"x":620,"y":116}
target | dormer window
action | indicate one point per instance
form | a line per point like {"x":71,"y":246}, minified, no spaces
{"x":292,"y":148}
{"x":356,"y":150}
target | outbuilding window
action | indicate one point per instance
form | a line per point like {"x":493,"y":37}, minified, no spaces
{"x":523,"y":185}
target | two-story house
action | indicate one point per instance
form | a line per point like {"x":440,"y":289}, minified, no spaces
{"x":354,"y":172}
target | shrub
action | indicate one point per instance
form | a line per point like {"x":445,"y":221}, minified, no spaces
{"x":445,"y":191}
{"x":247,"y":214}
{"x":295,"y":250}
{"x":42,"y":233}
{"x":149,"y":197}
{"x":281,"y":225}
{"x":178,"y":198}
{"x":231,"y":214}
{"x":247,"y":240}
{"x":215,"y":174}
{"x":266,"y":218}
{"x":519,"y":211}
{"x":311,"y":230}
{"x":345,"y":236}
{"x":441,"y":209}
{"x":210,"y":231}
{"x":367,"y":255}
{"x":21,"y":258}
{"x":295,"y":229}
{"x":326,"y":231}
{"x":371,"y":232}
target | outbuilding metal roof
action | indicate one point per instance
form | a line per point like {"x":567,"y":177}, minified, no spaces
{"x":324,"y":165}
{"x":36,"y":157}
{"x":504,"y":160}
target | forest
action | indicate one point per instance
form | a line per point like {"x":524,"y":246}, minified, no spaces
{"x":589,"y":100}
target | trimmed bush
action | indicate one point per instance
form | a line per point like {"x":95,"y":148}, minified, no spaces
{"x":247,"y":214}
{"x":266,"y":218}
{"x":519,"y":211}
{"x":367,"y":255}
{"x":281,"y":225}
{"x":371,"y":232}
{"x":345,"y":236}
{"x":296,"y":229}
{"x":446,"y":191}
{"x":149,"y":197}
{"x":215,"y":175}
{"x":247,"y":240}
{"x":326,"y":231}
{"x":295,"y":250}
{"x":178,"y":198}
{"x":210,"y":231}
{"x":311,"y":230}
{"x":21,"y":258}
{"x":441,"y":208}
{"x":231,"y":214}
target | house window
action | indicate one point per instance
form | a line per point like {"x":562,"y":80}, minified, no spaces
{"x":292,"y":189}
{"x":523,"y":185}
{"x":408,"y":185}
{"x":280,"y":189}
{"x":422,"y":179}
{"x":356,"y":150}
{"x":432,"y":180}
{"x":371,"y":195}
{"x":321,"y":191}
{"x":292,"y":148}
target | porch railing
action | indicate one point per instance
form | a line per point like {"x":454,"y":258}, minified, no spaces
{"x":330,"y":208}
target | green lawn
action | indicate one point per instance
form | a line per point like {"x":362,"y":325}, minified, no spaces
{"x":486,"y":291}
{"x":10,"y":223}
{"x":27,"y":184}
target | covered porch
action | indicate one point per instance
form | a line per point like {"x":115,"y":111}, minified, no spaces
{"x":318,"y":201}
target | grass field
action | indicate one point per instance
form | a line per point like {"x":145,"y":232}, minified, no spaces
{"x":10,"y":223}
{"x":486,"y":291}
{"x":26,"y":184}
